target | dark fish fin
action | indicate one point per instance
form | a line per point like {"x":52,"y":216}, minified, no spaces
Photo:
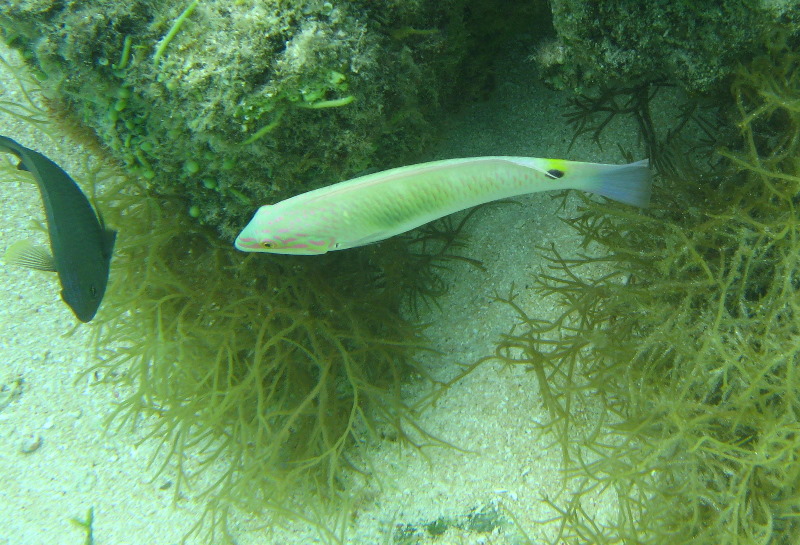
{"x":109,"y":238}
{"x":20,"y":166}
{"x":24,"y":254}
{"x":100,"y":219}
{"x":109,"y":235}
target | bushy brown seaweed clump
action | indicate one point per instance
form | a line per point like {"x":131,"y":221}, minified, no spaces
{"x":686,"y":349}
{"x":261,"y":375}
{"x":268,"y":370}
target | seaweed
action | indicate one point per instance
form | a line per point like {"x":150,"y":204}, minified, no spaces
{"x":87,"y":525}
{"x":435,"y":247}
{"x":697,"y":121}
{"x":265,"y":372}
{"x":257,"y":377}
{"x":670,"y":374}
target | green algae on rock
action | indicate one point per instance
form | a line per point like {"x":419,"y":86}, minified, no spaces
{"x":264,"y":99}
{"x":695,"y":43}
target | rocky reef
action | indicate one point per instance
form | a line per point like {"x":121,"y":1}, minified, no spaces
{"x":233,"y":104}
{"x":695,"y":44}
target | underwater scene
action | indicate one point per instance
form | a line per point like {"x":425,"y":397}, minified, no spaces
{"x":400,"y":272}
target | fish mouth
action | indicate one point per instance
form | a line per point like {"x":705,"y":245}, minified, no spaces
{"x":247,"y":244}
{"x":83,"y":310}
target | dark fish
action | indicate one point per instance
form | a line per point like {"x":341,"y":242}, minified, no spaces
{"x":81,"y":244}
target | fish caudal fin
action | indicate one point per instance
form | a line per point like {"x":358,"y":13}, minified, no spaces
{"x":629,"y":184}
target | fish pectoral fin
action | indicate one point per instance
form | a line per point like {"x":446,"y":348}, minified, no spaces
{"x":24,"y":254}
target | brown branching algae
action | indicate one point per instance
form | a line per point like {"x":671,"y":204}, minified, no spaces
{"x":684,"y":347}
{"x":270,"y":371}
{"x":261,"y":377}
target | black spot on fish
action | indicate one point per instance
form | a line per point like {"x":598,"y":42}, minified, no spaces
{"x":554,"y":173}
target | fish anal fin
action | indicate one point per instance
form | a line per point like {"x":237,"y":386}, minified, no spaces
{"x":24,"y":254}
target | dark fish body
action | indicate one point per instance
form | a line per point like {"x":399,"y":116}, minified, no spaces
{"x":80,"y":244}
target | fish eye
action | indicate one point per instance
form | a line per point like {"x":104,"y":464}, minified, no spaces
{"x":267,"y":244}
{"x":93,"y":292}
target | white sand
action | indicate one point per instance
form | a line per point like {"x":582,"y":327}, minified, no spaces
{"x":492,"y":413}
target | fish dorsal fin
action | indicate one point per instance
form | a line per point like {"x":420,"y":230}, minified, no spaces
{"x":109,"y":238}
{"x":109,"y":235}
{"x":24,"y":254}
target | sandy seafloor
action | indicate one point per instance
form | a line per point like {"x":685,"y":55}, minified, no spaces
{"x":492,"y":413}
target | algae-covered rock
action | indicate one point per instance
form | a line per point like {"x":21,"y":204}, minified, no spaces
{"x":696,"y":44}
{"x":233,"y":104}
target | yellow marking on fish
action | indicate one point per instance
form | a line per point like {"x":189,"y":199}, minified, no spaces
{"x":380,"y":205}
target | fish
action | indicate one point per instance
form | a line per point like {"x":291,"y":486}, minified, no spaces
{"x":377,"y":206}
{"x":81,"y":244}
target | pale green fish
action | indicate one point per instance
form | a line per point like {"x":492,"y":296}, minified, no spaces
{"x":380,"y":205}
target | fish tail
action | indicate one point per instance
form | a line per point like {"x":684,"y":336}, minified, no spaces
{"x":629,"y":184}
